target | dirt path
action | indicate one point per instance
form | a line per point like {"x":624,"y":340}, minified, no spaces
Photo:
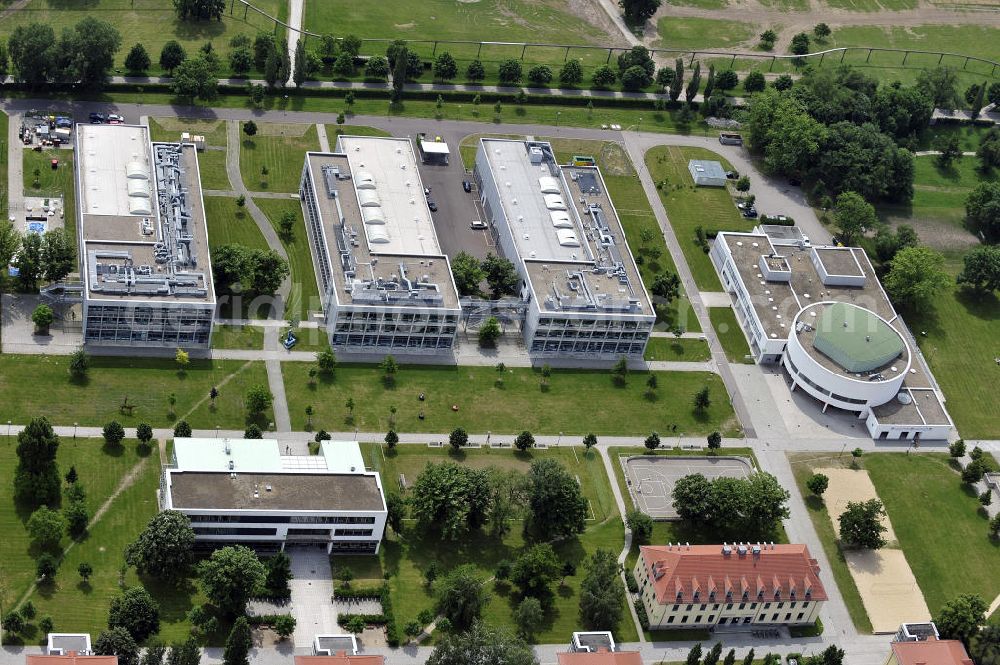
{"x":204,"y":399}
{"x":125,"y":483}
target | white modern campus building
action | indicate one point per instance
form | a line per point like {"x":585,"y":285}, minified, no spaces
{"x":143,"y":241}
{"x":822,"y":314}
{"x":558,"y":226}
{"x":249,"y":491}
{"x":704,"y":586}
{"x":387,"y":287}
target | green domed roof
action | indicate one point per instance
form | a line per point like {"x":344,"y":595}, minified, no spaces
{"x":855,"y":338}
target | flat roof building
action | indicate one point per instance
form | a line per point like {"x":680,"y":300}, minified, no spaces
{"x":143,"y":240}
{"x":559,"y":227}
{"x":597,"y":648}
{"x":707,"y":173}
{"x":341,"y":658}
{"x":60,"y":644}
{"x":822,"y":313}
{"x":246,"y":491}
{"x":703,"y":586}
{"x":387,"y":287}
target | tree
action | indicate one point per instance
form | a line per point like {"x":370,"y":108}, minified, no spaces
{"x":230,"y":576}
{"x":524,"y":441}
{"x":391,"y":439}
{"x":714,"y":441}
{"x":988,"y":152}
{"x":137,"y":61}
{"x":87,"y":51}
{"x":528,"y":617}
{"x":250,"y":128}
{"x":712,"y":657}
{"x":468,"y":273}
{"x":46,"y":568}
{"x":692,"y":498}
{"x":540,"y":75}
{"x":694,"y":84}
{"x":985,"y":648}
{"x":241,"y":62}
{"x":635,"y":78}
{"x":13,"y":622}
{"x":136,"y":612}
{"x":652,"y":441}
{"x":589,"y":441}
{"x":42,"y":317}
{"x":377,"y":67}
{"x":508,"y":494}
{"x":940,"y":85}
{"x":33,"y":54}
{"x":555,"y":501}
{"x":396,"y":509}
{"x":113,"y":434}
{"x":822,"y":31}
{"x":603,"y":77}
{"x":458,"y":439}
{"x":299,"y":69}
{"x":601,"y":596}
{"x":117,"y":642}
{"x":637,"y":12}
{"x":957,"y":448}
{"x":475,"y":71}
{"x":973,"y":472}
{"x":694,"y":655}
{"x":961,"y":617}
{"x":450,"y":500}
{"x":445,"y":67}
{"x":982,"y":211}
{"x":46,"y":528}
{"x":284,"y":625}
{"x":861,"y":525}
{"x":29,"y":262}
{"x":196,"y":79}
{"x":501,"y":276}
{"x":182,"y":429}
{"x":702,"y":399}
{"x":326,"y":361}
{"x":950,"y":150}
{"x":58,"y":256}
{"x":800,"y":44}
{"x":854,"y":217}
{"x":85,"y":570}
{"x":767,"y":40}
{"x":238,"y":644}
{"x":482,"y":645}
{"x":981,"y":269}
{"x":727,"y":80}
{"x":258,"y":399}
{"x":171,"y":56}
{"x":489,"y":332}
{"x":461,"y":597}
{"x":36,"y":478}
{"x":389,"y":368}
{"x":77,"y":519}
{"x":916,"y":275}
{"x":163,"y":549}
{"x":399,"y":73}
{"x":509,"y":71}
{"x":641,"y":525}
{"x":754,"y":82}
{"x":535,"y":569}
{"x":10,"y":240}
{"x":571,"y":73}
{"x":818,"y":483}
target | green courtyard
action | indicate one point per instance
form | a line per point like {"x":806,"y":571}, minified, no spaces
{"x":271,"y":161}
{"x":521,"y":402}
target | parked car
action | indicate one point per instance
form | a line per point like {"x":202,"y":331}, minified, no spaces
{"x":115,"y":119}
{"x":433,"y":206}
{"x":780,"y":218}
{"x":750,"y":213}
{"x":96,"y":118}
{"x":467,"y":186}
{"x":733,"y":175}
{"x":794,"y":182}
{"x":477,"y":224}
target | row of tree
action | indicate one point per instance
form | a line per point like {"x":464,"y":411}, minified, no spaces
{"x":499,"y":273}
{"x":49,"y":257}
{"x":744,"y":508}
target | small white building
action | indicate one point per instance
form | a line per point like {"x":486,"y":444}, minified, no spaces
{"x":253,"y":492}
{"x":707,"y":173}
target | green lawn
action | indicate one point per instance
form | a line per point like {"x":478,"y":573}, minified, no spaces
{"x":802,"y":467}
{"x":229,"y":224}
{"x":333,"y":131}
{"x":688,"y":206}
{"x":151,"y":23}
{"x":704,"y":33}
{"x":238,"y":337}
{"x":670,"y":348}
{"x":872,"y":5}
{"x":407,"y":557}
{"x":3,"y":165}
{"x":147,"y":382}
{"x":973,"y":40}
{"x":932,"y":515}
{"x":730,"y":334}
{"x":212,"y":161}
{"x":279,"y":148}
{"x":520,"y":404}
{"x":58,"y":182}
{"x":304,"y":296}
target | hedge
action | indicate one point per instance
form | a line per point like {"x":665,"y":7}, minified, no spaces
{"x":387,"y":618}
{"x":345,"y":592}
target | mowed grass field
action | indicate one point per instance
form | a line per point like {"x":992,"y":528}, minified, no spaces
{"x":704,"y":33}
{"x":52,"y":182}
{"x":408,"y":556}
{"x":230,"y":224}
{"x":671,"y":349}
{"x":279,"y":148}
{"x":688,"y":206}
{"x":938,"y":525}
{"x":150,"y":22}
{"x":730,"y":335}
{"x":212,"y":160}
{"x":238,"y":337}
{"x":304,"y":296}
{"x":40,"y":385}
{"x":520,"y":403}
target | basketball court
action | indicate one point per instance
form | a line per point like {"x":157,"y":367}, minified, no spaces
{"x":651,"y":479}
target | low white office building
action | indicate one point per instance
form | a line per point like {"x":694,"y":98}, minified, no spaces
{"x":255,"y":493}
{"x":143,"y":240}
{"x":385,"y":283}
{"x":822,"y":314}
{"x":558,"y":226}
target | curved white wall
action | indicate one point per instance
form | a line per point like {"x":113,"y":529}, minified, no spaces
{"x":801,"y":366}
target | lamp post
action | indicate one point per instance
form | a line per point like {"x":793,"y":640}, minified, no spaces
{"x":75,"y":425}
{"x":559,"y":440}
{"x":8,"y":431}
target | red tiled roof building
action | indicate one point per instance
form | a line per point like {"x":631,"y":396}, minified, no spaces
{"x":700,"y":586}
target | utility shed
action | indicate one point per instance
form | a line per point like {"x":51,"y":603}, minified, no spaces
{"x":707,"y":173}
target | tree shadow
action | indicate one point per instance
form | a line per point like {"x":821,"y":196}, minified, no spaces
{"x":116,"y":450}
{"x":86,"y":588}
{"x":80,"y":380}
{"x":982,"y":305}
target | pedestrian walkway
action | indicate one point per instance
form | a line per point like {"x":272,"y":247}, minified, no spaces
{"x":324,"y":142}
{"x":312,"y":591}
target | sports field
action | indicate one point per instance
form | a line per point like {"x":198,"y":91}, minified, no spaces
{"x":651,"y":479}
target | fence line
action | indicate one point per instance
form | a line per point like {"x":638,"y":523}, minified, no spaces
{"x":843,"y":50}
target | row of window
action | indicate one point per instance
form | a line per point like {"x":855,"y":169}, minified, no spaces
{"x":393,"y":341}
{"x":263,"y":531}
{"x":126,"y":334}
{"x":407,"y":317}
{"x":282,"y":519}
{"x":616,"y":348}
{"x":742,"y":606}
{"x":723,"y":620}
{"x":594,"y":323}
{"x":608,"y":335}
{"x":306,"y":194}
{"x":805,"y":379}
{"x":393,"y":328}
